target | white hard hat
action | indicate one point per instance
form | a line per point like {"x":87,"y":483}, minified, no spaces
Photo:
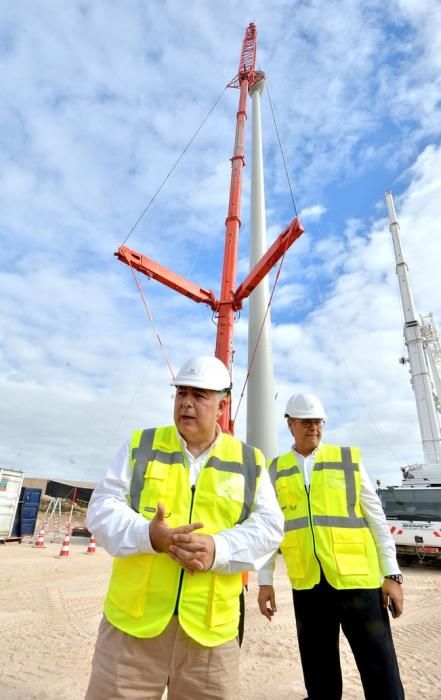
{"x":204,"y":372}
{"x":304,"y":406}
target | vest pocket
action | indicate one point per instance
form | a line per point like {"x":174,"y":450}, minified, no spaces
{"x":223,"y":605}
{"x":350,"y":552}
{"x":130,"y":577}
{"x":287,"y":498}
{"x":155,"y":485}
{"x":293,"y":559}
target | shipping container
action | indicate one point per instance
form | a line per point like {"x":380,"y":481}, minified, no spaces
{"x":10,"y":487}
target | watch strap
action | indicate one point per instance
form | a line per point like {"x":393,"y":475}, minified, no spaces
{"x":398,"y":578}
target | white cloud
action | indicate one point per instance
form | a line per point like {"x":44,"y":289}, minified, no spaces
{"x":312,"y":213}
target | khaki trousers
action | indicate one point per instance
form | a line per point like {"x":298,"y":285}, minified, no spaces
{"x":141,"y":669}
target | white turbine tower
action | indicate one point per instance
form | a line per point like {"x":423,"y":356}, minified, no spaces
{"x":261,"y":421}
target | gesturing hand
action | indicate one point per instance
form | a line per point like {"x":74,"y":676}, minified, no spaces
{"x":161,"y":534}
{"x":192,"y":551}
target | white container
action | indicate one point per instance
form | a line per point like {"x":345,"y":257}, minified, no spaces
{"x":10,"y":488}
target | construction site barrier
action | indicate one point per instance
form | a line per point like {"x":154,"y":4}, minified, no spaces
{"x":92,"y":545}
{"x":65,"y":547}
{"x":39,"y":542}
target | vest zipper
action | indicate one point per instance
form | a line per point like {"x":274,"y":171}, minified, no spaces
{"x":310,"y":525}
{"x":176,"y":610}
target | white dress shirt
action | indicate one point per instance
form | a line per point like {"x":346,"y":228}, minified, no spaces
{"x":122,"y":531}
{"x":372,"y":512}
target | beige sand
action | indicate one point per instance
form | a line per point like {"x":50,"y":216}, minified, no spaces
{"x":50,"y":609}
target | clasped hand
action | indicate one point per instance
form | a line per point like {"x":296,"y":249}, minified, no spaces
{"x":190,"y":550}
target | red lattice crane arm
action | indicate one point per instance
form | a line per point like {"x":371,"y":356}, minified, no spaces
{"x":247,"y":62}
{"x":248,"y":56}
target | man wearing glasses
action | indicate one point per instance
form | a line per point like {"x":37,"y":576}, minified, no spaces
{"x":340,"y":558}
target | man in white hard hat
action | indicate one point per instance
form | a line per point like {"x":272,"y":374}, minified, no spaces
{"x":340,"y":558}
{"x":184,"y":509}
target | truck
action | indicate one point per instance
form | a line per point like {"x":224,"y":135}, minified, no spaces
{"x":413,"y":508}
{"x":413,"y":512}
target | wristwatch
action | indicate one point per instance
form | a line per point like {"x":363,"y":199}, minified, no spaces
{"x":398,"y":578}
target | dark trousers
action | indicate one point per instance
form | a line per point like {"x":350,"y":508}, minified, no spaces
{"x":320,"y":612}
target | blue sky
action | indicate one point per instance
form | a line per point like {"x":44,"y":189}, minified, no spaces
{"x":98,"y":101}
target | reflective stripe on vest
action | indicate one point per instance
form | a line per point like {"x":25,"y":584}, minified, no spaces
{"x":145,"y":453}
{"x":144,"y":588}
{"x":349,"y":468}
{"x":325,"y":525}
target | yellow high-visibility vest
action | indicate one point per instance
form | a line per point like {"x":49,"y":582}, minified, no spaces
{"x":325,"y":527}
{"x":145,"y":588}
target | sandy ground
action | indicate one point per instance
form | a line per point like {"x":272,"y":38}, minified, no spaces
{"x":50,"y":609}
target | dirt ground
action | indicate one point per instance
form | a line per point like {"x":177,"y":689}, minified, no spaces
{"x":50,"y":609}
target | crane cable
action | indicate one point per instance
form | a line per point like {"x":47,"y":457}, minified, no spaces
{"x":259,"y":336}
{"x":150,"y":316}
{"x":281,"y":150}
{"x":280,"y":264}
{"x":147,"y":207}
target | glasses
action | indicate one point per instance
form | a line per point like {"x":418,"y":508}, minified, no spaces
{"x":309,"y":422}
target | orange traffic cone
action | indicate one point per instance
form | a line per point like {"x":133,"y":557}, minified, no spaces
{"x":39,"y":542}
{"x":92,"y":545}
{"x":65,"y":547}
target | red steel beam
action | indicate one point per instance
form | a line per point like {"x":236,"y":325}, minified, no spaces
{"x":225,"y":321}
{"x":162,"y":274}
{"x":267,"y":261}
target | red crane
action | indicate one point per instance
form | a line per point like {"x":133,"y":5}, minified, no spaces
{"x":231,"y":298}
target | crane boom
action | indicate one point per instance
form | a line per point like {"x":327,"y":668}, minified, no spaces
{"x":417,"y":352}
{"x":231,"y":298}
{"x":247,"y":61}
{"x":248,"y":55}
{"x":433,"y":348}
{"x":413,"y":509}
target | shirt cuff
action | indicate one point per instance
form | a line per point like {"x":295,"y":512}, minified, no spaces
{"x":265,"y":578}
{"x":389,"y":566}
{"x":221,"y":553}
{"x":142,"y":535}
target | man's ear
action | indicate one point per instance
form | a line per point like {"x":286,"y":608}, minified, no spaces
{"x":222,"y":405}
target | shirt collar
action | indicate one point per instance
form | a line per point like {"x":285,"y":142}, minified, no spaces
{"x":302,"y":457}
{"x":216,"y":439}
